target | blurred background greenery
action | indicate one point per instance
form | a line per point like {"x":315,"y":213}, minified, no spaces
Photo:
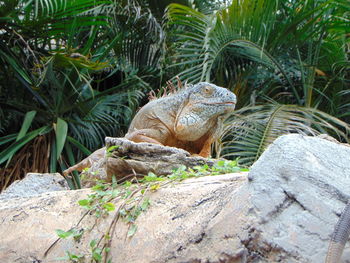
{"x":75,"y":71}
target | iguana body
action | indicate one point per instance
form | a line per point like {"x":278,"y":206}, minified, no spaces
{"x":190,"y":119}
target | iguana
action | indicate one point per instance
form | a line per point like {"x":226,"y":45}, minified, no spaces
{"x":190,"y":119}
{"x":339,"y":237}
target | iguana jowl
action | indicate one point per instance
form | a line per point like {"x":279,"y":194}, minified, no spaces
{"x":190,"y":119}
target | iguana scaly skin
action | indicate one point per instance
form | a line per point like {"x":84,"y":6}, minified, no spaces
{"x":190,"y":119}
{"x":339,"y":237}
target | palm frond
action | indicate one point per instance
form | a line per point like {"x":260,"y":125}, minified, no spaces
{"x":251,"y":129}
{"x":223,"y":43}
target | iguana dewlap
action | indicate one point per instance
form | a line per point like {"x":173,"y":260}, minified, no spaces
{"x":190,"y":119}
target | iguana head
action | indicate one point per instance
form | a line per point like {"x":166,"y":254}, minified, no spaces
{"x":205,"y":108}
{"x":211,"y":98}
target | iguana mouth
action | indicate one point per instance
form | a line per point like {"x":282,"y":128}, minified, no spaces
{"x":220,"y":103}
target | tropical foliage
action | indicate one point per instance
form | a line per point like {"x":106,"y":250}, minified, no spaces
{"x":73,"y":72}
{"x":288,"y":62}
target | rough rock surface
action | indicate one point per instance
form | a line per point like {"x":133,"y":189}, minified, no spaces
{"x":35,"y":184}
{"x":143,"y":158}
{"x":126,"y":158}
{"x":299,"y":187}
{"x":284,"y":211}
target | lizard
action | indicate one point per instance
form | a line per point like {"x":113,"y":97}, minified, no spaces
{"x":190,"y":119}
{"x":339,"y":237}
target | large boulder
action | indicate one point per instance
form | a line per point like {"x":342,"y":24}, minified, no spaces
{"x":283,"y":211}
{"x":298,"y":188}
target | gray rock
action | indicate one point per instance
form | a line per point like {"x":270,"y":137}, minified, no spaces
{"x":34,"y":184}
{"x":284,"y":211}
{"x":298,"y":187}
{"x":141,"y":158}
{"x":126,"y":158}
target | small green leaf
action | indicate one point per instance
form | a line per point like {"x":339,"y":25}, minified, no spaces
{"x":220,"y":163}
{"x":93,"y":243}
{"x":113,"y":147}
{"x":145,"y":204}
{"x":78,"y":234}
{"x":84,"y":202}
{"x":109,"y":206}
{"x":97,"y":256}
{"x":64,"y":234}
{"x":232,"y":163}
{"x":127,"y":184}
{"x":150,"y":174}
{"x":99,"y":187}
{"x":155,"y":187}
{"x":151,"y":177}
{"x":181,"y":168}
{"x":132,"y":230}
{"x":122,"y":212}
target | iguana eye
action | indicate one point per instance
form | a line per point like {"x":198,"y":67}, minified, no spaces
{"x":208,"y":90}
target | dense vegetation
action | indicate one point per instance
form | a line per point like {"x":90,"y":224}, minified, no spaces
{"x":75,"y":71}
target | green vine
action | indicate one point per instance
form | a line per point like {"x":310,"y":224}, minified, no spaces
{"x":134,"y":199}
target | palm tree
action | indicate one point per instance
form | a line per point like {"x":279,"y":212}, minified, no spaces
{"x":75,"y":71}
{"x":286,"y":60}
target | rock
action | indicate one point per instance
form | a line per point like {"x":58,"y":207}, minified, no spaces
{"x":177,"y":225}
{"x":299,"y":187}
{"x":284,"y":211}
{"x":141,"y":158}
{"x":125,"y":158}
{"x":35,"y":184}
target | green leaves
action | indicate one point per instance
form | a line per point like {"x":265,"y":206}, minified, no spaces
{"x":109,"y":206}
{"x":7,"y":154}
{"x":151,"y":177}
{"x":132,"y":230}
{"x":288,"y":52}
{"x":85,"y":203}
{"x":63,"y":234}
{"x":251,"y":129}
{"x":61,"y":129}
{"x":208,"y":42}
{"x":76,"y":234}
{"x":95,"y":251}
{"x":26,"y":124}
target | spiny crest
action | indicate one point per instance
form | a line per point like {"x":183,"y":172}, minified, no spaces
{"x":169,"y":89}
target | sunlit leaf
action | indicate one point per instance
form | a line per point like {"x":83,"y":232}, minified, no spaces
{"x":61,"y":135}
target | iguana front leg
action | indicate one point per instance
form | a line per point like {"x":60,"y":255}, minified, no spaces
{"x":146,"y":135}
{"x":87,"y":162}
{"x":206,"y":149}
